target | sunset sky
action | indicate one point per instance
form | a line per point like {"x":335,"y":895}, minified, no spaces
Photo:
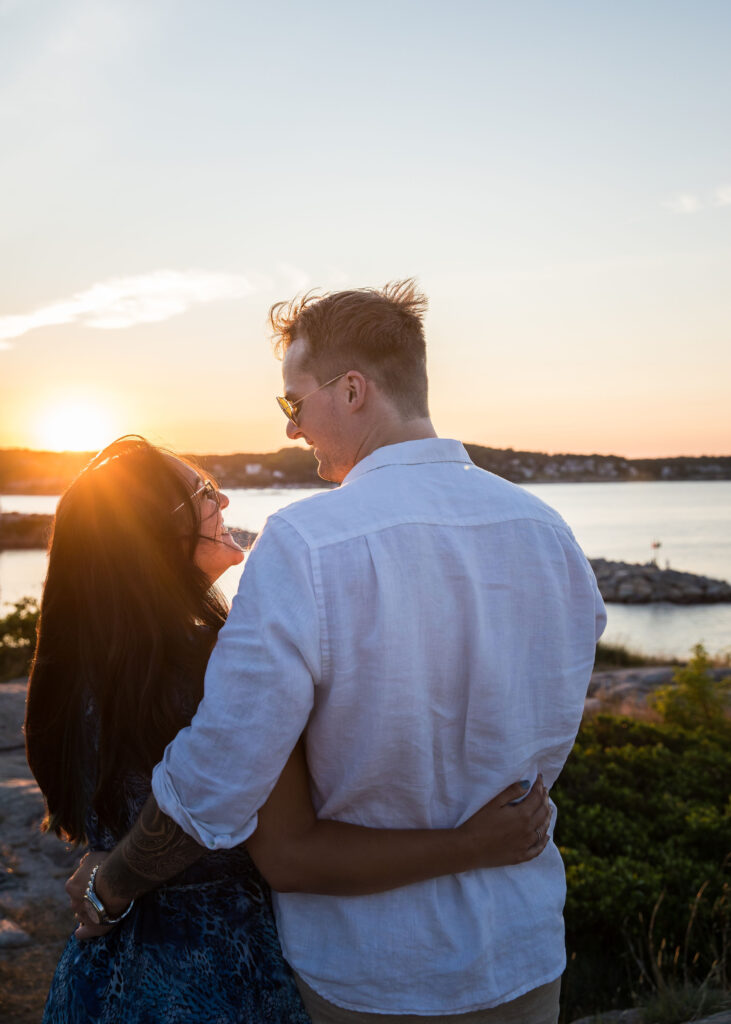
{"x":556,"y":174}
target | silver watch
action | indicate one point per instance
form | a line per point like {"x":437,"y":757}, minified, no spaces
{"x":94,"y":906}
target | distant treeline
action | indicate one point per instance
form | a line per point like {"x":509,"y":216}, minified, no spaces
{"x":24,"y":471}
{"x":538,"y":467}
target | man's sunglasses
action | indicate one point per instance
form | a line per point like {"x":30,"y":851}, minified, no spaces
{"x":290,"y":408}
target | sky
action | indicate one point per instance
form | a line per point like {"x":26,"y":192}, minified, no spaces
{"x":555,"y":173}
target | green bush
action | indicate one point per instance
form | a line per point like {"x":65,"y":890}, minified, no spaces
{"x":610,"y":656}
{"x":644,"y":824}
{"x":18,"y":639}
{"x":694,"y":697}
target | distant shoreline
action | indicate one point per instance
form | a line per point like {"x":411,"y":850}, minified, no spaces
{"x":23,"y":471}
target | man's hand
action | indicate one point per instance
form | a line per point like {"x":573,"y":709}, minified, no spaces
{"x":76,"y":887}
{"x":505,"y":832}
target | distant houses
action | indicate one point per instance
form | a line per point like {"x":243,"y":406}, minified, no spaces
{"x":23,"y":471}
{"x":539,"y":467}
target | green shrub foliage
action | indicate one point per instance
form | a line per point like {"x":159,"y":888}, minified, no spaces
{"x":644,"y":823}
{"x":694,"y":697}
{"x":609,"y":656}
{"x":18,"y":639}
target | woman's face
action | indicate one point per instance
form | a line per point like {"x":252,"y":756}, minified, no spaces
{"x":216,"y":551}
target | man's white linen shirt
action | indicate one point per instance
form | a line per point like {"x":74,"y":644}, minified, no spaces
{"x":433,"y":627}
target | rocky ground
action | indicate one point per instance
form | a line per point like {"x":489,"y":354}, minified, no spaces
{"x":34,"y":918}
{"x":626,"y":691}
{"x":35,"y":921}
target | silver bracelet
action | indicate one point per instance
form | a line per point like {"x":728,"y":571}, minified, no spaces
{"x":94,"y":906}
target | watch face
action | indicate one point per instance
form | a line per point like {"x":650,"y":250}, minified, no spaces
{"x":93,"y":910}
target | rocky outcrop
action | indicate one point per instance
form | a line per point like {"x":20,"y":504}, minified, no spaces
{"x":19,"y":531}
{"x":245,"y":538}
{"x":626,"y":583}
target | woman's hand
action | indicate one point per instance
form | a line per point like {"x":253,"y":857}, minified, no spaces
{"x":298,"y":852}
{"x":76,"y":887}
{"x":505,"y":832}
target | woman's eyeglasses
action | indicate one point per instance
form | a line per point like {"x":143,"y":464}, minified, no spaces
{"x":208,"y":490}
{"x":290,"y":408}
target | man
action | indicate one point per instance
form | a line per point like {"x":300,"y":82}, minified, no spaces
{"x":431,"y":628}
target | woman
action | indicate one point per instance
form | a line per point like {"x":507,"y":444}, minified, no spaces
{"x":129,"y":616}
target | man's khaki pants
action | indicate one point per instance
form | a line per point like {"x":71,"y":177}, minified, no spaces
{"x":540,"y":1006}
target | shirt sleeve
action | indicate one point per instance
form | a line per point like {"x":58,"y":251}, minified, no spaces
{"x":259,"y":689}
{"x":601,"y":611}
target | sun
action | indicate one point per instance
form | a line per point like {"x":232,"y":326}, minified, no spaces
{"x":75,"y":425}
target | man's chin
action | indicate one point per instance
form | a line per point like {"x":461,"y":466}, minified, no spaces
{"x":327,"y":473}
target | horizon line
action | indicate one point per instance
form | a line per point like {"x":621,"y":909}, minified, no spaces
{"x":474,"y":444}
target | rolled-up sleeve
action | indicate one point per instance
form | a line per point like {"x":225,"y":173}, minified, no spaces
{"x":259,"y":688}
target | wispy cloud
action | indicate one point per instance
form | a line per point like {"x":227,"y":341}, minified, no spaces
{"x":685,"y":202}
{"x":125,"y":301}
{"x":688,"y":202}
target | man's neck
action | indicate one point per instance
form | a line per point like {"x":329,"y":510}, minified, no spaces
{"x":394,"y":432}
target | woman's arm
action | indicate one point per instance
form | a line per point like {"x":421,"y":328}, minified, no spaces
{"x":297,"y":852}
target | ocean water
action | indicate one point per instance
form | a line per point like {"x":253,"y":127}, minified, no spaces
{"x":690,"y":520}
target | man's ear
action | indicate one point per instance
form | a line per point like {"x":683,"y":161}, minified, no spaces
{"x":356,"y":387}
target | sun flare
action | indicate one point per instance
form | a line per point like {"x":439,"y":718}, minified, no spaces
{"x":75,"y":425}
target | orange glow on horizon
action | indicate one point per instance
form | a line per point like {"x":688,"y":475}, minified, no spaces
{"x":74,"y":425}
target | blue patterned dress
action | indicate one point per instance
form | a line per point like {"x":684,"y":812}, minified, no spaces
{"x":202,"y":949}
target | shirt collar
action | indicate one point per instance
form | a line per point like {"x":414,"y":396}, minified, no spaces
{"x":410,"y":453}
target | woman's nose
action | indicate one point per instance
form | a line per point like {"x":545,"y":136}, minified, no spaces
{"x":222,"y":499}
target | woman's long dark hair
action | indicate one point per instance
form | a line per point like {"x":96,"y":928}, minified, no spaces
{"x":122,"y":615}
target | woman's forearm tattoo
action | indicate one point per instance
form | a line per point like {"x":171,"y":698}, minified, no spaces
{"x":155,"y":849}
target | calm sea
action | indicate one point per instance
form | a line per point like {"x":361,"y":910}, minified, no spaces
{"x":692,"y":522}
